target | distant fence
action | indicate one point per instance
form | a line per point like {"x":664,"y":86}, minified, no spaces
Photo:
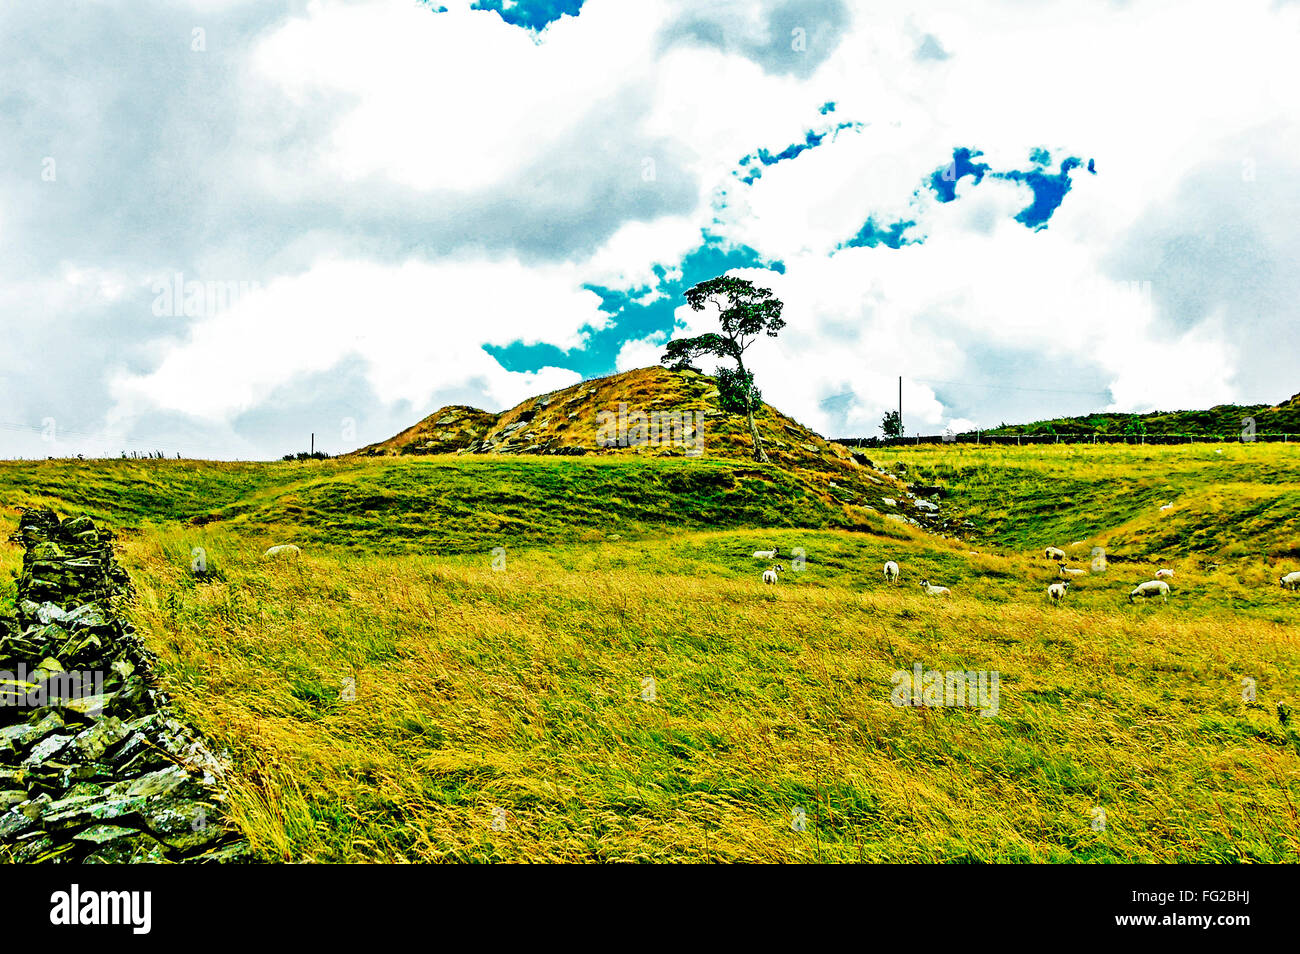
{"x":1024,"y":439}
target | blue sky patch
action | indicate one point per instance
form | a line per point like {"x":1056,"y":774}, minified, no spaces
{"x":1049,"y":188}
{"x":871,"y":235}
{"x":530,"y":14}
{"x":633,"y":320}
{"x":944,"y":181}
{"x":753,"y":164}
{"x":811,"y":141}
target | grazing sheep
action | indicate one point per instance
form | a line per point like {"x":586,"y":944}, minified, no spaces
{"x":1054,"y":553}
{"x":1291,"y":581}
{"x":1164,"y":573}
{"x":891,"y":571}
{"x":931,"y":590}
{"x":769,"y":575}
{"x":1069,"y":571}
{"x":283,"y":548}
{"x":1056,"y":592}
{"x":1151,"y":588}
{"x":766,"y":554}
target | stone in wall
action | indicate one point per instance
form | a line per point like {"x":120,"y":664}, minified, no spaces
{"x":94,"y":766}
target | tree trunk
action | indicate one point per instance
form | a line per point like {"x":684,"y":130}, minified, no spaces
{"x":760,"y":455}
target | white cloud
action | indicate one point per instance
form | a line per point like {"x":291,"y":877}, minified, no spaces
{"x":640,"y":353}
{"x":457,"y":100}
{"x":1151,"y":114}
{"x":351,"y":111}
{"x":418,"y":328}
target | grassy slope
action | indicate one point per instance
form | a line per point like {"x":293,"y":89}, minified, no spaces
{"x":133,"y":493}
{"x":519,"y":690}
{"x":446,"y":504}
{"x":1238,"y":501}
{"x":1223,"y":419}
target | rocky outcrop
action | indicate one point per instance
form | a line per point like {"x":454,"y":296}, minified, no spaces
{"x":93,"y":765}
{"x":672,"y":414}
{"x":447,"y":430}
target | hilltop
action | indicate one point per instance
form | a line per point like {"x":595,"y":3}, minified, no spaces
{"x":581,"y":420}
{"x":569,"y":421}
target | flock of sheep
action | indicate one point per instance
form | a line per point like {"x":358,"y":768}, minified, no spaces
{"x":1055,"y":592}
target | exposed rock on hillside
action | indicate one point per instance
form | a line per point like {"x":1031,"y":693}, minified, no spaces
{"x":445,"y":431}
{"x":656,"y":412}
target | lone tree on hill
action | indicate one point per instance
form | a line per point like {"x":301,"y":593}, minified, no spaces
{"x":745,"y":311}
{"x":891,"y":425}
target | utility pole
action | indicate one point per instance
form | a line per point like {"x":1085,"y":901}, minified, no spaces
{"x":313,"y":442}
{"x":900,"y":405}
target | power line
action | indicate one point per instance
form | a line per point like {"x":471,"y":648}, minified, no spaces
{"x":970,"y":384}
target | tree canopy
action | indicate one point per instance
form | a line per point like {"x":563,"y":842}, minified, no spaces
{"x":745,"y":313}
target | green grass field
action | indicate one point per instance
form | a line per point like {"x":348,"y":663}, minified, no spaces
{"x":400,"y":692}
{"x":1229,"y":502}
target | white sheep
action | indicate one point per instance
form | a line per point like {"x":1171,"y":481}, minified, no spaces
{"x":1151,"y":588}
{"x":891,"y":571}
{"x":766,"y":554}
{"x":931,"y":590}
{"x":1069,"y":571}
{"x":1054,"y":553}
{"x":282,"y":548}
{"x":1164,"y":573}
{"x":769,"y":575}
{"x":1291,"y":581}
{"x":1056,"y":592}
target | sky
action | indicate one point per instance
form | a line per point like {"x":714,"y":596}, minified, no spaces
{"x":227,"y":225}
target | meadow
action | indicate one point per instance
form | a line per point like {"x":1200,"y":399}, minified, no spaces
{"x":1222,"y":501}
{"x":566,"y":660}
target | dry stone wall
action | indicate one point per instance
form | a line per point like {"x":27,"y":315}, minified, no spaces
{"x":94,"y":767}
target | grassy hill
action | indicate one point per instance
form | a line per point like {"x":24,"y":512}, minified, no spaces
{"x":1200,"y":503}
{"x":569,"y":423}
{"x":1222,"y":419}
{"x":450,"y":503}
{"x":616,"y":684}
